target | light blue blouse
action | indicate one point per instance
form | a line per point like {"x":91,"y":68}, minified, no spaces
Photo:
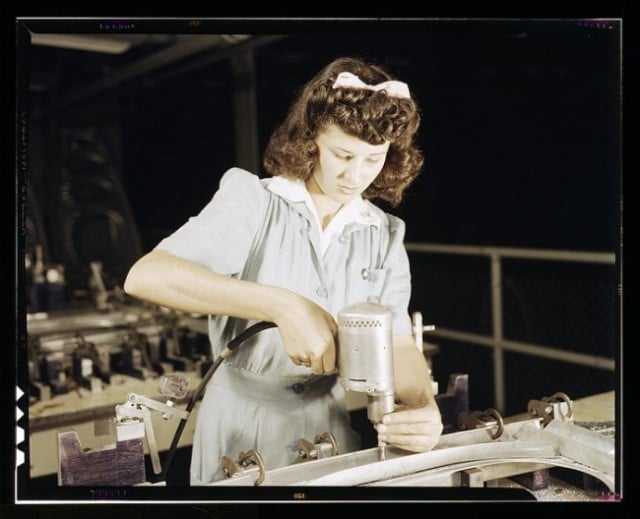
{"x":255,"y":229}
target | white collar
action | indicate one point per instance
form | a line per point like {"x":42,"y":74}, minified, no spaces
{"x":295,"y":190}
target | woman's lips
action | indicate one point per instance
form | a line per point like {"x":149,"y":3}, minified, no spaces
{"x":347,"y":190}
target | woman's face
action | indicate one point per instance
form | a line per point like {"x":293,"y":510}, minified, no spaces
{"x":346,"y":165}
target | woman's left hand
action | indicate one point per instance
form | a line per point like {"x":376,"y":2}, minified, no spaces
{"x":416,"y":429}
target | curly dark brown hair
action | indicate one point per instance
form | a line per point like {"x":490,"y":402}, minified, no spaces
{"x":371,"y":116}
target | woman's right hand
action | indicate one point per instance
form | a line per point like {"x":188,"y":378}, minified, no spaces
{"x":307,"y":330}
{"x":309,"y":335}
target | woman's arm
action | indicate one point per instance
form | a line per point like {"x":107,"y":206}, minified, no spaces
{"x":411,"y":373}
{"x":167,"y":280}
{"x":416,"y":424}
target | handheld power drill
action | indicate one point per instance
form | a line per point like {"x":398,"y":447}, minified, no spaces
{"x":365,"y":357}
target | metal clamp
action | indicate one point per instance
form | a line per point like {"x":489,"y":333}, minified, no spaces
{"x":558,"y":405}
{"x":323,"y":446}
{"x":486,"y":419}
{"x":306,"y":450}
{"x":138,"y":406}
{"x":327,"y":437}
{"x":250,"y":460}
{"x":165,"y":409}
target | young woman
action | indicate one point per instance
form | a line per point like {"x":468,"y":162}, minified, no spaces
{"x":294,"y":249}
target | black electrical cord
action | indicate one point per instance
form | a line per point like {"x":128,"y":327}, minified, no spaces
{"x":226,"y":352}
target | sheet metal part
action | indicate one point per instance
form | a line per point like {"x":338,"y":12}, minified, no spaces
{"x":361,"y":467}
{"x":464,"y":458}
{"x":577,"y":443}
{"x":312,"y":469}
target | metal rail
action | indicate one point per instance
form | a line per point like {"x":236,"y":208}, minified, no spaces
{"x":496,"y":341}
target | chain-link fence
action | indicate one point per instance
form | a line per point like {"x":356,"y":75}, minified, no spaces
{"x":521,"y":323}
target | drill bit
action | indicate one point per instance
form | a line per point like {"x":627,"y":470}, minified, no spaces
{"x":381,"y":450}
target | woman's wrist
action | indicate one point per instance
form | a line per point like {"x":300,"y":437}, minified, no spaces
{"x":279,"y":304}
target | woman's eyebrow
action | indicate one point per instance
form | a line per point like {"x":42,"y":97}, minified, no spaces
{"x":339,"y":148}
{"x":344,"y":150}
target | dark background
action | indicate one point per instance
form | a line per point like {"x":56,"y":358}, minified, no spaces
{"x":521,"y":123}
{"x":521,"y":132}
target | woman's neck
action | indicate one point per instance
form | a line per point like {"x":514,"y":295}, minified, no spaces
{"x":325,"y":206}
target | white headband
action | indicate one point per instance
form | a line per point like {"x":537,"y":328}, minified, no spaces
{"x":392,"y":88}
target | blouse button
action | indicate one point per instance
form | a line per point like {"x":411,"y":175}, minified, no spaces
{"x":343,"y":238}
{"x":367,"y":275}
{"x":322,"y":292}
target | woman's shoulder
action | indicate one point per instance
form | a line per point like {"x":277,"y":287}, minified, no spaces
{"x":243,"y":182}
{"x":238,"y":176}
